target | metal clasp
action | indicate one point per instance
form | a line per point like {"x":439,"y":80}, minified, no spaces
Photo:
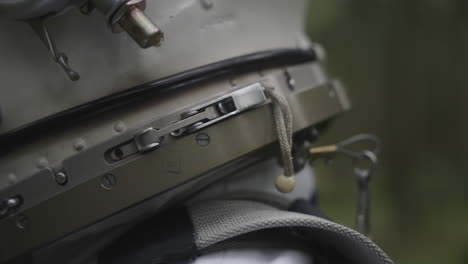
{"x":191,"y":121}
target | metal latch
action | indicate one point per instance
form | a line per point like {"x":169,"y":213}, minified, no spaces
{"x":191,"y":121}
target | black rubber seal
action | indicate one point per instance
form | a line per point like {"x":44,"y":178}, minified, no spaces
{"x":237,"y":65}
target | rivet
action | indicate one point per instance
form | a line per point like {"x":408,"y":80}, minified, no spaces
{"x":233,"y":82}
{"x":12,"y":178}
{"x":206,"y":4}
{"x":108,"y":181}
{"x":42,"y":163}
{"x":203,"y":139}
{"x":79,"y":144}
{"x":119,"y":127}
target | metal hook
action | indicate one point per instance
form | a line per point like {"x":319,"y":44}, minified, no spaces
{"x":330,"y":151}
{"x":359,"y":138}
{"x":363,"y":173}
{"x":59,"y":57}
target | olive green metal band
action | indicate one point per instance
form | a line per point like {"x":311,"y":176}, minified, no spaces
{"x":158,"y":171}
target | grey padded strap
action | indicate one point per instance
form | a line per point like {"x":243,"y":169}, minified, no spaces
{"x":217,"y":221}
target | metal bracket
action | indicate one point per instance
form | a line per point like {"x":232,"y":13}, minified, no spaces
{"x":42,"y":194}
{"x":193,"y":120}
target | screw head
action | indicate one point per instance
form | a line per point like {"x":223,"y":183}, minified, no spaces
{"x":203,"y":139}
{"x":108,"y":181}
{"x":61,"y":178}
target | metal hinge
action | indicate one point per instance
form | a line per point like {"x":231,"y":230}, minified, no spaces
{"x":191,"y":121}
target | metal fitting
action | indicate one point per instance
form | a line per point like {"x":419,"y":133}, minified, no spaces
{"x":129,"y":16}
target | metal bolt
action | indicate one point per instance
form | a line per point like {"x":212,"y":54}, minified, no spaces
{"x":21,"y":221}
{"x":61,"y":178}
{"x":108,"y":181}
{"x":203,"y":139}
{"x":139,"y":26}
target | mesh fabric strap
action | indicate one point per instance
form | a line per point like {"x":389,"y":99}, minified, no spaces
{"x":217,"y":221}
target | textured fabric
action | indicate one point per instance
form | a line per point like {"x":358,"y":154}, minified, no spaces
{"x":216,"y":221}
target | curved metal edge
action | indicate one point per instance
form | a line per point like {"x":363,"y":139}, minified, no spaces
{"x":242,"y":64}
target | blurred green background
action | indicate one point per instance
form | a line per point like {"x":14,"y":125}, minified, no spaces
{"x":405,"y":63}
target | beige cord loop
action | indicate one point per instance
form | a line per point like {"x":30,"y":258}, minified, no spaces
{"x":283,"y":120}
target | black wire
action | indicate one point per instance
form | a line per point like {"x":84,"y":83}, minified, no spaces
{"x":241,"y":64}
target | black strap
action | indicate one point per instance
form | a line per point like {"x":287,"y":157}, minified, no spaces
{"x":165,"y":238}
